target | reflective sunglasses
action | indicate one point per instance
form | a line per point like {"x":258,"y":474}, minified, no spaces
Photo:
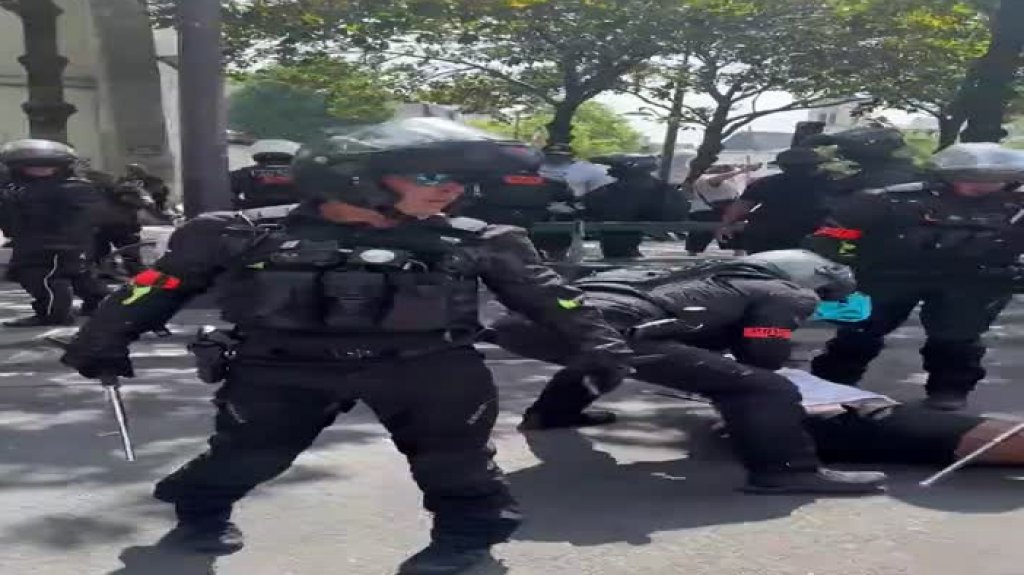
{"x":433,"y":180}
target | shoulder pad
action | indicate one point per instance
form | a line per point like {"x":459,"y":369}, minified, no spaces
{"x":468,"y":224}
{"x":901,"y":188}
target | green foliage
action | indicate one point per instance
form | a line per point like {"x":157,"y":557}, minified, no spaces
{"x":597,"y":130}
{"x":300,"y":101}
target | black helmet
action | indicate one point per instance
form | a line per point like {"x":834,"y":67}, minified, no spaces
{"x":860,"y":144}
{"x":37,"y":153}
{"x":348,"y":168}
{"x":628,"y":162}
{"x":800,"y":157}
{"x":269,"y":150}
{"x":830,"y":280}
{"x":982,"y":162}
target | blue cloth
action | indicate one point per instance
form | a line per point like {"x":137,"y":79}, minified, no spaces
{"x":855,"y":308}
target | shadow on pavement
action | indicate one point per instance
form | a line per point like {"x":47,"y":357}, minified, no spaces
{"x":583,"y":496}
{"x":162,"y":558}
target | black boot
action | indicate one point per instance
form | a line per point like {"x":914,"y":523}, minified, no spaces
{"x":39,"y":321}
{"x":946,"y":400}
{"x":536,"y":421}
{"x":821,"y":481}
{"x":441,"y":558}
{"x":213,"y":534}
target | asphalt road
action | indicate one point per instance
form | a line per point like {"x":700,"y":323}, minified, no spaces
{"x":652,"y":495}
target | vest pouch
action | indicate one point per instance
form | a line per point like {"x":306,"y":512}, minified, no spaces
{"x":420,"y":303}
{"x":272,"y":299}
{"x":355,"y":300}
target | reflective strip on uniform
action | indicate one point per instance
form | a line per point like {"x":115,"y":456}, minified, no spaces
{"x":570,"y":303}
{"x":847,"y":234}
{"x":767,"y":333}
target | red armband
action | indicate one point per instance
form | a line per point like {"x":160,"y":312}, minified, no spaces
{"x":767,"y":333}
{"x":845,"y":234}
{"x":153,"y":278}
{"x":524,"y":180}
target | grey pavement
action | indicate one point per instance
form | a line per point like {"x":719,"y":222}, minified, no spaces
{"x":652,"y":495}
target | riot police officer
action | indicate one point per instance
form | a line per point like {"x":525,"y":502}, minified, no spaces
{"x":139,"y":176}
{"x":364,"y":292}
{"x":51,"y":216}
{"x":679,"y":322}
{"x":951,"y":244}
{"x":878,"y":152}
{"x":119,"y":224}
{"x":636,"y":195}
{"x":270,"y":182}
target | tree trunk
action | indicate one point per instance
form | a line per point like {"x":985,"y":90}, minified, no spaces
{"x":990,"y":93}
{"x":711,"y":145}
{"x":560,"y":127}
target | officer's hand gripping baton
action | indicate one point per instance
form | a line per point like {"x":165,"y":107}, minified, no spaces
{"x":112,"y":389}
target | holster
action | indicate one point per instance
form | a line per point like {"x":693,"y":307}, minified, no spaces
{"x":213,"y":350}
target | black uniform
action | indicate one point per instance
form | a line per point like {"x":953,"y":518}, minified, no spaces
{"x":635,"y":196}
{"x":919,"y":244}
{"x":52,"y":222}
{"x":523,"y":200}
{"x":268,"y":183}
{"x":745,"y":310}
{"x":331,"y":313}
{"x":119,"y":224}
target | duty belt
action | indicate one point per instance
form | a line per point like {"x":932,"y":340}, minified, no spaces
{"x":253,"y":350}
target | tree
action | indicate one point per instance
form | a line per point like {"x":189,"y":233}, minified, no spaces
{"x":596,"y":130}
{"x":299,"y":101}
{"x":734,"y":52}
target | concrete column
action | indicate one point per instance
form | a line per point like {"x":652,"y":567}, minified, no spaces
{"x":130,"y":77}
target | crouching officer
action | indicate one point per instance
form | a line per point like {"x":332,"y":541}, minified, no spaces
{"x":679,"y":322}
{"x":951,"y":244}
{"x":364,"y":292}
{"x":51,"y":215}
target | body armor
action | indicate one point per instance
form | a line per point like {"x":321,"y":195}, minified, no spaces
{"x":936,"y":232}
{"x":311,"y":279}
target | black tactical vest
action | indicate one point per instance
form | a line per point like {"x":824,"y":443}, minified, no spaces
{"x":335,"y":279}
{"x":938,"y":233}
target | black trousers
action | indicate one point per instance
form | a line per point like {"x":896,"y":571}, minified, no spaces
{"x":53,"y":278}
{"x":439,"y":409}
{"x":761,"y":408}
{"x":900,"y":434}
{"x":954,"y":319}
{"x":697,"y":242}
{"x":119,"y":238}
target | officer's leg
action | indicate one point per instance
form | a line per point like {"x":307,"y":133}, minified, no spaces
{"x":954,"y":321}
{"x":762,"y":413}
{"x":621,"y":244}
{"x":567,"y":394}
{"x":259,"y":432}
{"x":440,"y":411}
{"x":82,"y":275}
{"x":848,"y":354}
{"x":50,"y":290}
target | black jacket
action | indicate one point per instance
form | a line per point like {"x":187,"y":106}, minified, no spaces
{"x":263,"y":185}
{"x":204,"y":249}
{"x":638,"y":197}
{"x":727,"y":306}
{"x":50,"y":214}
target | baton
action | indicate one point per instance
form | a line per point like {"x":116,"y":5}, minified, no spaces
{"x":972,"y":456}
{"x":112,"y":389}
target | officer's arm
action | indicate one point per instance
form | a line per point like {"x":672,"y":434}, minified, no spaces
{"x":768,"y":326}
{"x":196,"y":254}
{"x":513,"y":270}
{"x":840,"y":236}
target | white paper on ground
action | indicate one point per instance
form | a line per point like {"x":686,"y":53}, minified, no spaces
{"x":817,"y":391}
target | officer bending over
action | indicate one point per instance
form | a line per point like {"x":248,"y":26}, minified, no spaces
{"x":951,"y":244}
{"x":679,"y":322}
{"x":51,"y":216}
{"x":364,"y":292}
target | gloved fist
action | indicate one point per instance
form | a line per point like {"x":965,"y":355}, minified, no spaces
{"x":95,"y":366}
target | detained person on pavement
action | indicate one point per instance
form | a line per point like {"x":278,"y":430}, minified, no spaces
{"x":679,"y":322}
{"x":364,"y":292}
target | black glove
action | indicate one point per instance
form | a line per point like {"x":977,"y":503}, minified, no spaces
{"x":94,"y":365}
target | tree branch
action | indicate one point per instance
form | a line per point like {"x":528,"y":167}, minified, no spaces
{"x":739,"y":121}
{"x":539,"y":92}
